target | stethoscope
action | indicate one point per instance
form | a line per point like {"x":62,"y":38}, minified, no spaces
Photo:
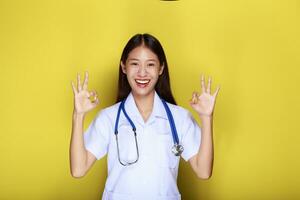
{"x":177,"y":148}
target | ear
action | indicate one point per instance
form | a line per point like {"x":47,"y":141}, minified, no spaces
{"x":123,"y":67}
{"x":161,"y":69}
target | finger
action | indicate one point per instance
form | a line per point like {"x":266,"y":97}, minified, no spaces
{"x":93,"y":93}
{"x":209,"y":85}
{"x":88,"y":94}
{"x":93,"y":99}
{"x":95,"y":102}
{"x":74,"y":88}
{"x":86,"y":80}
{"x":192,"y":99}
{"x":195,"y":97}
{"x":79,"y":83}
{"x":217,"y":91}
{"x":194,"y":94}
{"x":202,"y":83}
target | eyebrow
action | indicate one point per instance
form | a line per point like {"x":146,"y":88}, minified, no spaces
{"x":138,"y":59}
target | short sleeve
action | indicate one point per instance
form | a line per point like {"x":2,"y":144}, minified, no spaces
{"x":191,"y":137}
{"x":96,"y":137}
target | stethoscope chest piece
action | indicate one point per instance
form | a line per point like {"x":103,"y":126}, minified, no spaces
{"x":177,"y":149}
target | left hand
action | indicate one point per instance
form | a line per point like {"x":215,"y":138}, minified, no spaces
{"x":204,"y":104}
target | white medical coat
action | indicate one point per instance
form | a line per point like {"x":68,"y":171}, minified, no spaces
{"x":154,"y":176}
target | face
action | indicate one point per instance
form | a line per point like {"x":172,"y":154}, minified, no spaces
{"x":142,"y":69}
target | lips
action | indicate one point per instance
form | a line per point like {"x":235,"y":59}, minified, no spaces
{"x":142,"y":82}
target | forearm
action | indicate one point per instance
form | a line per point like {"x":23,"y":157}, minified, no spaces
{"x":205,"y":155}
{"x":78,"y":153}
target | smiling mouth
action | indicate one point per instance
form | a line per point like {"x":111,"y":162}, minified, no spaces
{"x":142,"y":82}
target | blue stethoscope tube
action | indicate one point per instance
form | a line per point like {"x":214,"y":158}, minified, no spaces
{"x":177,"y":149}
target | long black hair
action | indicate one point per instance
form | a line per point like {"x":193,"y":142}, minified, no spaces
{"x":162,"y":87}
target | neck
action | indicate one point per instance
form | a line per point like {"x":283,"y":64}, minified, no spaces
{"x":144,"y":104}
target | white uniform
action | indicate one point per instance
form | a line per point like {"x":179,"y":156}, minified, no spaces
{"x":154,"y":176}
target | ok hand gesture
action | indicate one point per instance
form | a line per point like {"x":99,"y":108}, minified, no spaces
{"x":84,"y":100}
{"x":204,"y":104}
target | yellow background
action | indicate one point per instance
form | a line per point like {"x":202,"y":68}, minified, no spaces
{"x":250,"y":48}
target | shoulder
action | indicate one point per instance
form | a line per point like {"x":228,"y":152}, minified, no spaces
{"x":109,"y":112}
{"x":184,"y":120}
{"x":179,"y":112}
{"x":111,"y":109}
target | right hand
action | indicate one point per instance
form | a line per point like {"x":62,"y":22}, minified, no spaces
{"x":82,"y":101}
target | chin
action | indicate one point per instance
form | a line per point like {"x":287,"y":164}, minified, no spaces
{"x":142,"y":92}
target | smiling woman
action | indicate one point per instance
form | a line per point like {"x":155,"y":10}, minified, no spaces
{"x":142,"y":165}
{"x":142,"y":69}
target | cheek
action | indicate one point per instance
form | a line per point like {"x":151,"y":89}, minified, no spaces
{"x":156,"y":74}
{"x":130,"y":77}
{"x":130,"y":74}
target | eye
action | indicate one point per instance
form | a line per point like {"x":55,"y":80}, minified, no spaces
{"x":134,"y":63}
{"x":151,"y":64}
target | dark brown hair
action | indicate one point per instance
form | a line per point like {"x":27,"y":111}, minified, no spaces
{"x":162,"y":87}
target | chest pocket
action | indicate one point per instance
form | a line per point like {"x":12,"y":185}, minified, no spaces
{"x":164,"y":147}
{"x":127,"y":146}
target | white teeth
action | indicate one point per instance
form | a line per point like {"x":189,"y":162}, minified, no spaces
{"x":142,"y":81}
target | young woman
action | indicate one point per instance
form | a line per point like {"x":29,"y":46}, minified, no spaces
{"x":144,"y":133}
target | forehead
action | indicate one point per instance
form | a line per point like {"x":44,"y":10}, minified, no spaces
{"x":142,"y":53}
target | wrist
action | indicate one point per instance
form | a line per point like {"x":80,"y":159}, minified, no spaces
{"x":205,"y":117}
{"x":77,"y":115}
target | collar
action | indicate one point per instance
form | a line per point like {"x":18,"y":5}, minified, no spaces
{"x":157,"y":111}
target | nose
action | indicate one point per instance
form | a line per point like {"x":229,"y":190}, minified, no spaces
{"x":142,"y":70}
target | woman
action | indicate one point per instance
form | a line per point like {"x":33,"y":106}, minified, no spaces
{"x":137,"y":133}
